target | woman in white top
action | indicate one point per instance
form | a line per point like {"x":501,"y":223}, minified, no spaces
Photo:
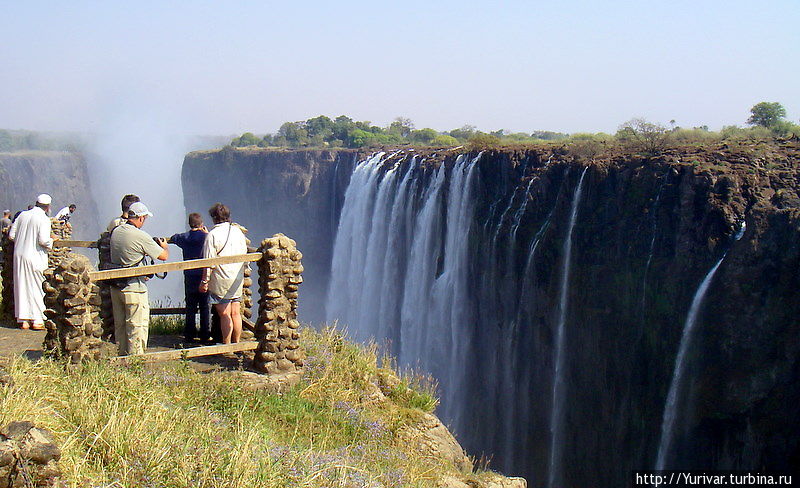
{"x":224,"y":282}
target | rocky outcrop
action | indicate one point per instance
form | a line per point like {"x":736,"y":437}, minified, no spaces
{"x":432,"y":438}
{"x":28,"y":456}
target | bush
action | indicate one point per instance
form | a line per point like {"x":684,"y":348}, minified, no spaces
{"x":444,"y":141}
{"x":643,"y":136}
{"x":482,"y":141}
{"x":694,"y":136}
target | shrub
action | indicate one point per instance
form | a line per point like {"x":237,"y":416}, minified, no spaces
{"x":444,"y":140}
{"x":482,"y":141}
{"x":643,"y":136}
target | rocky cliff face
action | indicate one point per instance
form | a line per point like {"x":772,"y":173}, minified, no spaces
{"x":646,"y":232}
{"x":63,"y":175}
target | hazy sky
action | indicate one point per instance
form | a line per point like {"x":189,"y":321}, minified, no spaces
{"x":225,"y":67}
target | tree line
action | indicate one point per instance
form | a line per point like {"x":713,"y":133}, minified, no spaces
{"x":767,"y":119}
{"x":343,"y":131}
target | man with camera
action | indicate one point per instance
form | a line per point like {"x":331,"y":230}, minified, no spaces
{"x":131,"y":246}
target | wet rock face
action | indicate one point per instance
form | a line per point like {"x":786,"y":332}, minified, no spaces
{"x":28,"y":456}
{"x":74,"y":328}
{"x":277,"y":328}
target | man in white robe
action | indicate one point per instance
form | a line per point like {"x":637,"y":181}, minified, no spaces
{"x":32,"y":238}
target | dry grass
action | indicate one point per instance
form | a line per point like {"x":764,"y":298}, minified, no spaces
{"x":172,"y":427}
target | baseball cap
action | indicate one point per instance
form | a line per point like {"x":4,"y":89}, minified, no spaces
{"x":138,"y":209}
{"x":44,"y":199}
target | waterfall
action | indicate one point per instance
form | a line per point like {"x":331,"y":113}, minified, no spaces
{"x":400,"y":264}
{"x":559,"y":386}
{"x":653,"y":230}
{"x":675,"y":387}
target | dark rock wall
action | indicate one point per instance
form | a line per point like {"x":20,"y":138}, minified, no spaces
{"x":62,"y":175}
{"x":648,"y":231}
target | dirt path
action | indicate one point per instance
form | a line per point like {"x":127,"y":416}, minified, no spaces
{"x":14,"y":340}
{"x":28,"y":343}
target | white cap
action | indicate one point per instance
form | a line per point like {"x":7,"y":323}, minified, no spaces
{"x":138,"y":209}
{"x":44,"y":199}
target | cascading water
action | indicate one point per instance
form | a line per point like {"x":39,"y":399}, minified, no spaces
{"x":399,"y":271}
{"x":654,"y":233}
{"x":676,"y":385}
{"x":559,"y":385}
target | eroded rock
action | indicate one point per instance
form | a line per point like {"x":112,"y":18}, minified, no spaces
{"x":28,"y":456}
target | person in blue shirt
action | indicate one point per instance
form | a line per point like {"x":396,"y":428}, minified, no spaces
{"x":191,"y":243}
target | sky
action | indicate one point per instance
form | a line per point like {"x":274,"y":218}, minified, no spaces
{"x":220,"y":68}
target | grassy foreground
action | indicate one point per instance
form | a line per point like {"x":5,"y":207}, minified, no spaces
{"x":172,"y":427}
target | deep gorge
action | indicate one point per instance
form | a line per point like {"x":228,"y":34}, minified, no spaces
{"x":555,"y":355}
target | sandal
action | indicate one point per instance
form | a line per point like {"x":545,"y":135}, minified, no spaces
{"x":25,"y":325}
{"x":37,"y":327}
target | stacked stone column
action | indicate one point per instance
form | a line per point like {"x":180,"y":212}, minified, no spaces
{"x":104,"y":290}
{"x":7,"y":306}
{"x":62,"y":231}
{"x":277,"y":329}
{"x":74,"y":328}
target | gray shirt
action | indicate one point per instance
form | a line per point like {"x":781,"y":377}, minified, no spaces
{"x":5,"y":224}
{"x":129,"y":246}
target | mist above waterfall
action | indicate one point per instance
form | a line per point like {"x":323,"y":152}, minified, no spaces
{"x":139,"y":152}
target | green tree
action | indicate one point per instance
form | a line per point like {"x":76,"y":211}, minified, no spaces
{"x":643,"y":136}
{"x":295,"y":133}
{"x":463,"y":133}
{"x":246,"y":139}
{"x":423,"y":136}
{"x":766,"y":114}
{"x":401,"y":127}
{"x":319,"y":126}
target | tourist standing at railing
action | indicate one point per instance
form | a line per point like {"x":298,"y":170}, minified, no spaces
{"x":31,"y":233}
{"x":224,"y":282}
{"x":5,"y":222}
{"x":130,"y":246}
{"x":126,"y":203}
{"x":66,"y":213}
{"x":191,"y":243}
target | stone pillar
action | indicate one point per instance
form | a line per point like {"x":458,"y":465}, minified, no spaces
{"x":277,"y":328}
{"x":62,"y":232}
{"x":7,"y":275}
{"x":106,"y":308}
{"x":72,"y":321}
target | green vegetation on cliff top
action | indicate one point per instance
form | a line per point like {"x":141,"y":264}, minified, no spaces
{"x":767,"y":119}
{"x":173,"y":427}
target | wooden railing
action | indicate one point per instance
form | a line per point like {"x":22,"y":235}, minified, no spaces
{"x":109,"y":274}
